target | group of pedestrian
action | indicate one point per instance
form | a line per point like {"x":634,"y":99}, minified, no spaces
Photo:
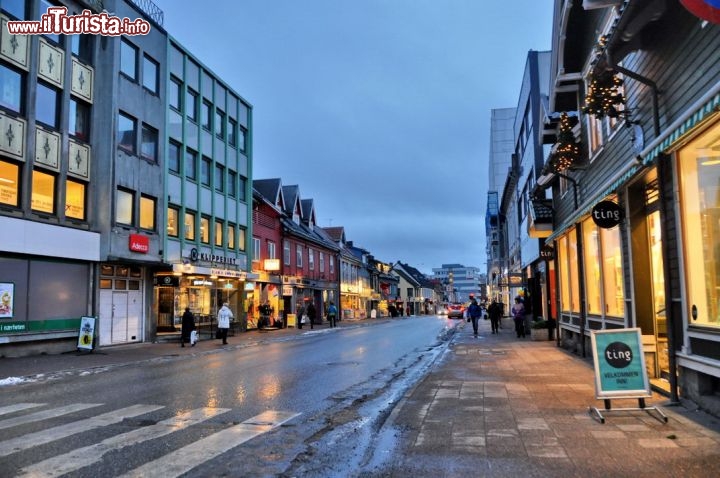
{"x":494,"y":313}
{"x":188,"y":330}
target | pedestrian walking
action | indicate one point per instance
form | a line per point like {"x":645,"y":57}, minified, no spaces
{"x":300,"y":316}
{"x":332,"y":314}
{"x":518,"y":313}
{"x":311,"y":312}
{"x":495,"y":313}
{"x":188,"y":325}
{"x":474,"y":313}
{"x":224,"y":317}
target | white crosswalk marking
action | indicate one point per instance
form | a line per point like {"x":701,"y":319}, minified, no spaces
{"x":45,"y":414}
{"x":82,"y":457}
{"x":186,"y":458}
{"x":14,"y":445}
{"x":18,"y":407}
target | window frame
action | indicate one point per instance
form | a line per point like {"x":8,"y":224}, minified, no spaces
{"x":218,"y":239}
{"x":173,"y":231}
{"x":220,"y":118}
{"x":83,"y":185}
{"x":124,"y":45}
{"x":219,"y":181}
{"x":231,"y":183}
{"x":230,"y":235}
{"x":118,"y":202}
{"x":190,"y":233}
{"x":177,"y":96}
{"x":206,"y":171}
{"x":13,"y":88}
{"x":206,"y":116}
{"x":76,"y":106}
{"x":144,"y":198}
{"x":148,"y":60}
{"x":44,"y":101}
{"x":54,"y":191}
{"x":154,"y":136}
{"x":190,"y":154}
{"x":204,"y":229}
{"x":174,"y":162}
{"x":17,"y":181}
{"x":133,"y":147}
{"x":191,"y":104}
{"x":298,"y":256}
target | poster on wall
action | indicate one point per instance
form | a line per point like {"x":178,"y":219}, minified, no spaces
{"x":7,"y":299}
{"x":619,"y":364}
{"x":86,"y":338}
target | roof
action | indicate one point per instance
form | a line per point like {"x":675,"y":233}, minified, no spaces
{"x":270,"y":189}
{"x":337,"y":233}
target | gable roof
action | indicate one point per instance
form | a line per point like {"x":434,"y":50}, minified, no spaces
{"x":292,"y":198}
{"x":272,"y":190}
{"x":308,"y":211}
{"x":336,"y":233}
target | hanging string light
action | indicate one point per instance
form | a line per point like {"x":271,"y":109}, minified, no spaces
{"x":603,"y":96}
{"x":567,"y":151}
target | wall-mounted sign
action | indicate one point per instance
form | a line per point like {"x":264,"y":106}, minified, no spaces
{"x":619,"y":364}
{"x":167,"y":281}
{"x":547,"y":253}
{"x":287,"y":290}
{"x":607,"y":214}
{"x":271,"y":264}
{"x":139,"y":243}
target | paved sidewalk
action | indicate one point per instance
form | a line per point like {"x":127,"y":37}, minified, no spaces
{"x":506,"y":407}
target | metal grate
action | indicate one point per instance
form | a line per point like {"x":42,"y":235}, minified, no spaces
{"x":151,"y":10}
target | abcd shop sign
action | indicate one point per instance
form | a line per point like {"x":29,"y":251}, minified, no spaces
{"x":619,"y":364}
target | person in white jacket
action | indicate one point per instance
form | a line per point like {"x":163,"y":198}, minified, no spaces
{"x":224,"y":317}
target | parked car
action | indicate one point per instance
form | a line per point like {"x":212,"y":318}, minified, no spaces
{"x":455,"y":311}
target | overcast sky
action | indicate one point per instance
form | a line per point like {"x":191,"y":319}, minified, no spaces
{"x":378,"y":109}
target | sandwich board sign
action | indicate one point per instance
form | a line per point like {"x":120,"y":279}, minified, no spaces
{"x":620,"y":370}
{"x":87,"y":333}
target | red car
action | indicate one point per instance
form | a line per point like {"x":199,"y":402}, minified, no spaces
{"x":455,"y":311}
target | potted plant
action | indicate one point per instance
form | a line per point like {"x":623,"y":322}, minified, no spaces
{"x":539,"y":329}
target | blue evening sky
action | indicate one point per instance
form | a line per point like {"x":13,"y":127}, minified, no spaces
{"x":378,"y":109}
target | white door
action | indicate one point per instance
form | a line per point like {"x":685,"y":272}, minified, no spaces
{"x":119,"y":317}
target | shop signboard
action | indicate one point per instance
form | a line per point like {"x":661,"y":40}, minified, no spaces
{"x":7,"y":300}
{"x":87,"y":333}
{"x":607,"y":214}
{"x":619,"y":364}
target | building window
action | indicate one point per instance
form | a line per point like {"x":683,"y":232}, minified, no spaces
{"x":272,"y":250}
{"x":242,"y":239}
{"x":149,"y":143}
{"x":147,"y":212}
{"x":126,"y":133}
{"x":124,"y":207}
{"x":16,"y":8}
{"x":128,"y":59}
{"x":191,"y":164}
{"x":173,"y":214}
{"x":9,"y":183}
{"x":612,"y":272}
{"x":189,"y":225}
{"x":219,"y":226}
{"x":205,"y":230}
{"x":46,"y":105}
{"x":220,"y":124}
{"x":11,"y":89}
{"x":569,"y":282}
{"x":191,"y":100}
{"x":332,"y":264}
{"x":322,"y":263}
{"x":81,"y":46}
{"x":591,"y":251}
{"x":232,"y":183}
{"x":174,"y":157}
{"x":699,"y":172}
{"x":242,"y":134}
{"x":231,"y":236}
{"x":44,"y":6}
{"x":205,"y":166}
{"x":298,"y":255}
{"x":43,"y":192}
{"x":241,"y":189}
{"x":79,"y":120}
{"x":219,"y":178}
{"x":311,"y":259}
{"x":286,"y":253}
{"x":150,"y":74}
{"x":175,"y":94}
{"x":205,"y":115}
{"x":232,"y":132}
{"x":75,"y":200}
{"x":256,"y":249}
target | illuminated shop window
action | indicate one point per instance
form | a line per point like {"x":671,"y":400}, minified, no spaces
{"x":9,"y":183}
{"x":43,"y":192}
{"x":242,"y":238}
{"x":190,"y":226}
{"x":205,"y":230}
{"x":172,"y":221}
{"x":219,"y":226}
{"x":231,"y":236}
{"x":75,"y":200}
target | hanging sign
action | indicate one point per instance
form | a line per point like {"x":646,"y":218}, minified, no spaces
{"x":619,"y":364}
{"x":705,"y":9}
{"x":607,"y":214}
{"x":87,"y":333}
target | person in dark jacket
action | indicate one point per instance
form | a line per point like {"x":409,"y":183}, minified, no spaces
{"x":311,"y":313}
{"x":495,"y":313}
{"x":188,"y":325}
{"x":474,"y":313}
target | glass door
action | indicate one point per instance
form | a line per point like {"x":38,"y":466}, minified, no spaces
{"x":654,"y":227}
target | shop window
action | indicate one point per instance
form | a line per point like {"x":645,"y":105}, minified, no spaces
{"x":205,"y":168}
{"x":126,"y":133}
{"x":172,"y":224}
{"x":46,"y":105}
{"x":189,"y":225}
{"x":591,"y":250}
{"x":242,"y":239}
{"x":149,"y":143}
{"x":124,"y":207}
{"x":174,"y":157}
{"x":205,"y":230}
{"x":175,"y":94}
{"x":191,"y":164}
{"x":11,"y":89}
{"x":43,"y":192}
{"x":81,"y":46}
{"x":613,"y":282}
{"x":191,"y":101}
{"x":219,"y":226}
{"x":9,"y":183}
{"x":147,"y":212}
{"x":75,"y":199}
{"x":150,"y":74}
{"x":219,"y":178}
{"x":128,"y":59}
{"x":79,"y":120}
{"x":231,"y":236}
